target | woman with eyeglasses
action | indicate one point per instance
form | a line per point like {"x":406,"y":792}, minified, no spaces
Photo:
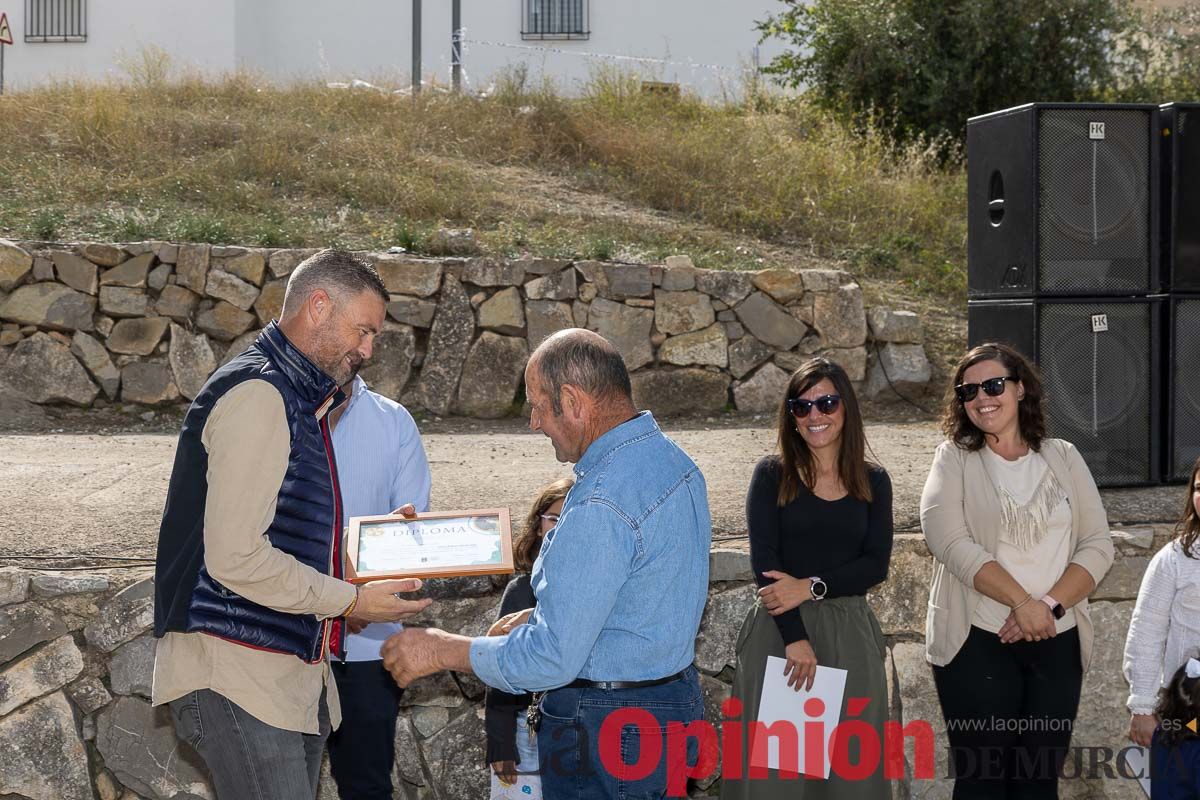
{"x":1019,"y":538}
{"x":820,"y":521}
{"x":511,"y":746}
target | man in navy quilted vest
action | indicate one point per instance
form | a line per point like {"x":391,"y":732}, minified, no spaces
{"x":250,"y":596}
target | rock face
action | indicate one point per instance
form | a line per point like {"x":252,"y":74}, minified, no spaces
{"x":148,"y":383}
{"x":626,"y":327}
{"x":132,"y":667}
{"x":895,"y":326}
{"x":783,"y":285}
{"x":224,"y":321}
{"x":119,"y":301}
{"x":42,"y":370}
{"x":460,"y":742}
{"x":192,"y":361}
{"x":269,"y":304}
{"x":137,"y":337}
{"x":24,"y":626}
{"x":544,"y":317}
{"x":140,"y":747}
{"x":391,"y":362}
{"x":763,"y":391}
{"x":177,"y":303}
{"x":97,"y":362}
{"x":903,"y":367}
{"x":191,"y":267}
{"x":409,"y":276}
{"x":668,"y":392}
{"x":559,"y":285}
{"x":682,"y":312}
{"x":493,"y":372}
{"x":493,"y":272}
{"x":708,"y":347}
{"x":745,"y":354}
{"x":727,"y":286}
{"x":46,"y":670}
{"x":723,"y":617}
{"x":839,"y":317}
{"x":769,"y":322}
{"x":49,"y":305}
{"x":15,"y":264}
{"x":43,"y":757}
{"x":78,"y":273}
{"x":129,"y":613}
{"x":410,"y":310}
{"x":231,"y":289}
{"x":132,"y":273}
{"x":503,"y":312}
{"x":449,"y":340}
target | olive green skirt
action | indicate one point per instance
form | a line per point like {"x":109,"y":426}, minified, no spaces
{"x":843,"y":633}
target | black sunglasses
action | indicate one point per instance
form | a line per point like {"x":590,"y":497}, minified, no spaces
{"x":994,"y":387}
{"x":826,"y":404}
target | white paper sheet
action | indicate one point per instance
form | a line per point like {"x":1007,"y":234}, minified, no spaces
{"x":781,"y":703}
{"x":527,"y":787}
{"x":1138,"y":759}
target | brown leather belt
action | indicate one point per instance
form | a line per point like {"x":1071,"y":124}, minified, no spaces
{"x":582,"y":683}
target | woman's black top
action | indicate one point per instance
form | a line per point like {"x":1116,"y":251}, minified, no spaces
{"x":846,"y":543}
{"x":501,"y":708}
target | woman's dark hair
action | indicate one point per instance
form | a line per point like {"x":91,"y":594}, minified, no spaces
{"x":1178,"y":704}
{"x":1032,"y":421}
{"x":525,"y":550}
{"x":797,"y":460}
{"x":1188,"y":529}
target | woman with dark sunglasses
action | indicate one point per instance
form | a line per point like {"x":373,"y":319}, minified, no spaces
{"x":820,"y":520}
{"x":1019,"y":538}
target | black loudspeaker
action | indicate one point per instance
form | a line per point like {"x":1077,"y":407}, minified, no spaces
{"x":1180,"y":181}
{"x":1101,"y":366}
{"x":1183,"y":434}
{"x":1063,"y":199}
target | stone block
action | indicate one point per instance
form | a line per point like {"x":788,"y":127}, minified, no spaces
{"x":49,"y":305}
{"x":503,"y":312}
{"x":233,"y":290}
{"x":903,"y":367}
{"x":177,"y":303}
{"x":105,"y":255}
{"x":543,"y":266}
{"x":250,"y":266}
{"x":24,"y":626}
{"x":900,"y":601}
{"x":887,"y":325}
{"x":119,"y":301}
{"x":192,"y":361}
{"x":131,"y":668}
{"x":391,"y":361}
{"x":626,"y":327}
{"x":59,"y":585}
{"x":460,"y":742}
{"x":682,"y":312}
{"x":839,"y":317}
{"x":671,"y":392}
{"x":97,"y":362}
{"x":14,"y":585}
{"x":137,"y":337}
{"x":140,"y":748}
{"x":725,"y":564}
{"x":783,"y":285}
{"x":493,"y":272}
{"x":76,"y":271}
{"x":410,"y":310}
{"x":167,"y":253}
{"x":191,"y":267}
{"x":45,"y":670}
{"x":745,"y":354}
{"x":43,"y":270}
{"x":148,"y":383}
{"x":559,"y":285}
{"x":491,"y":376}
{"x":763,"y":391}
{"x":269,"y":304}
{"x":406,"y":275}
{"x":132,"y":273}
{"x":449,"y":341}
{"x":719,"y":627}
{"x":88,"y":694}
{"x":282,"y":262}
{"x":42,"y":370}
{"x":128,"y":614}
{"x":728,"y":286}
{"x":769,"y":322}
{"x":825,"y":280}
{"x":704,"y":348}
{"x":43,"y":757}
{"x":159,"y":277}
{"x":224,"y":321}
{"x":15,"y":264}
{"x":453,"y":242}
{"x":544,"y":317}
{"x":851,"y":359}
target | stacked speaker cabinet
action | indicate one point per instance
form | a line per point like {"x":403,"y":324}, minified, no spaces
{"x":1063,"y":262}
{"x":1180,"y":177}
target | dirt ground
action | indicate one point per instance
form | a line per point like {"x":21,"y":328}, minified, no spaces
{"x":90,"y":489}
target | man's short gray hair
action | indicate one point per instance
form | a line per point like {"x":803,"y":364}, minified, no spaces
{"x":584,"y":360}
{"x":339,"y":273}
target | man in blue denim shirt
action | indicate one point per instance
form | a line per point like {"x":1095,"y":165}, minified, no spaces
{"x":621,"y":581}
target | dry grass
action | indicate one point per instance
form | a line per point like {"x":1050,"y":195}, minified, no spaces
{"x":240,"y":160}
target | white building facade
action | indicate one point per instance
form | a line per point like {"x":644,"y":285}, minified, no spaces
{"x":703,"y":45}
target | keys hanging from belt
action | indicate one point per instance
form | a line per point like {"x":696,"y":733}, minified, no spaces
{"x":533,"y":715}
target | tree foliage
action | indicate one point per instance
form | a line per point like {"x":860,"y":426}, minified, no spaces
{"x":920,"y":68}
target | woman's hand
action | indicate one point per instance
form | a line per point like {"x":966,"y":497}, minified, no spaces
{"x":785,"y":593}
{"x":1032,"y":622}
{"x":505,"y":624}
{"x":801,"y":666}
{"x":1141,"y":728}
{"x":506,"y":771}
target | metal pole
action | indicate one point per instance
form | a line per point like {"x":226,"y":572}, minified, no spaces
{"x":456,"y":45}
{"x":416,"y":47}
{"x":2,"y":47}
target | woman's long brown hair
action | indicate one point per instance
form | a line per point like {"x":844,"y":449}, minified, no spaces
{"x":797,"y":460}
{"x":1188,"y":529}
{"x":525,"y":550}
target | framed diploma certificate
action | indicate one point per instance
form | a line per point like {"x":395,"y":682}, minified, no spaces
{"x":432,"y":545}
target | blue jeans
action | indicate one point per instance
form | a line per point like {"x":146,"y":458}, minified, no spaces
{"x":249,"y":759}
{"x":570,"y":740}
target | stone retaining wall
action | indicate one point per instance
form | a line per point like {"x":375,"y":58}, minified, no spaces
{"x":146,"y":323}
{"x":76,"y":655}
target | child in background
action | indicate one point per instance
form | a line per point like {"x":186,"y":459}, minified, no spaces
{"x":1175,"y":751}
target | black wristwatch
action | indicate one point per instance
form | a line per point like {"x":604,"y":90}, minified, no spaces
{"x":1056,"y":608}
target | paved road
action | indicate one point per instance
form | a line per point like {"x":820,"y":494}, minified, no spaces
{"x":69,"y":494}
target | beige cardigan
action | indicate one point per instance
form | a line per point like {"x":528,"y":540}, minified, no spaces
{"x":960,"y":513}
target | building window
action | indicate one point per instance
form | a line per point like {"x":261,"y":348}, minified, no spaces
{"x":56,"y":20}
{"x":554,"y":19}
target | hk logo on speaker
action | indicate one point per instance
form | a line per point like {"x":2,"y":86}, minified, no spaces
{"x":1095,"y":130}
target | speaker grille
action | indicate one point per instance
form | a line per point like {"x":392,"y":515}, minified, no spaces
{"x":1097,"y":385}
{"x":1185,"y":392}
{"x":1094,"y":201}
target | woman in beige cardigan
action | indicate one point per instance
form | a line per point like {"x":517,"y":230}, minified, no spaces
{"x":1020,"y":538}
